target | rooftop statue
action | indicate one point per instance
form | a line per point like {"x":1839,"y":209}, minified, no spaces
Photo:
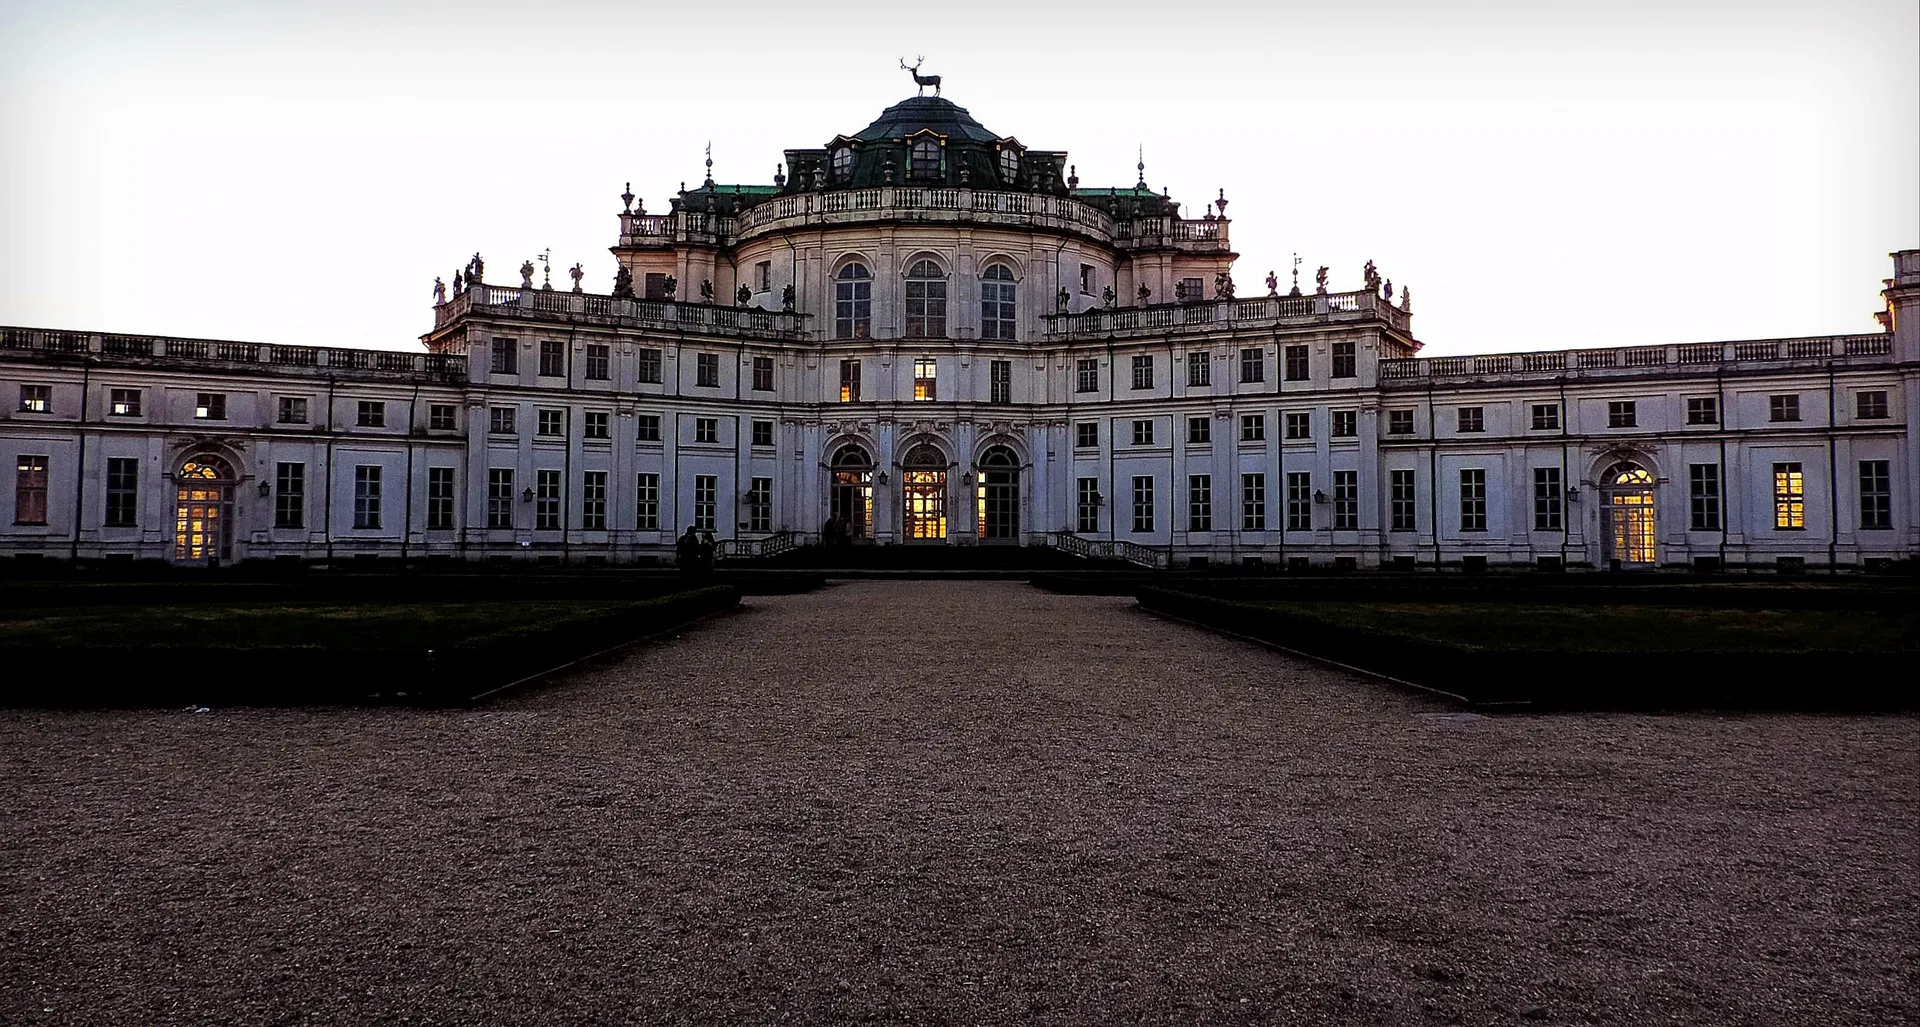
{"x":1273,"y":284}
{"x":1222,"y":286}
{"x":923,"y":81}
{"x":526,"y":274}
{"x":623,"y":283}
{"x":578,"y":273}
{"x":439,"y":292}
{"x":1320,"y":279}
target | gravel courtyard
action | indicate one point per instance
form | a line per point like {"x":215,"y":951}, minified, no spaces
{"x":956,"y":803}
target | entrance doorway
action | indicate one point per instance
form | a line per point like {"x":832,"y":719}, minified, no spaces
{"x":1627,"y":491}
{"x":851,"y":499}
{"x":923,"y":494}
{"x":203,"y":511}
{"x":999,"y":495}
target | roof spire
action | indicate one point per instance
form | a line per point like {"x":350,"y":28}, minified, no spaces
{"x":709,"y":182}
{"x":1142,"y":168}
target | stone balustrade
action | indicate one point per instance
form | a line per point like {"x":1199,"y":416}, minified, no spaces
{"x":166,"y":351}
{"x":588,"y":308}
{"x":1852,"y":349}
{"x":1129,"y":322}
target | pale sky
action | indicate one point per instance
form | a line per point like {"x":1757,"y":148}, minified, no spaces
{"x":1542,"y":175}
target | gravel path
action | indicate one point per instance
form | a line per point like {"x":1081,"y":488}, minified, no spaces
{"x":956,"y":803}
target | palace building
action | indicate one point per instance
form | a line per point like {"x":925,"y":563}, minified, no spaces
{"x":935,"y":334}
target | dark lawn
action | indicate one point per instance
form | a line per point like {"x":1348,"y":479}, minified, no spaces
{"x":417,"y":625}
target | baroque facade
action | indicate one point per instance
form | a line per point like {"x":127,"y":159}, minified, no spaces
{"x":936,"y":335}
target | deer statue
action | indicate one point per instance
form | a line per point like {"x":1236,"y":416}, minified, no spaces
{"x":923,"y":81}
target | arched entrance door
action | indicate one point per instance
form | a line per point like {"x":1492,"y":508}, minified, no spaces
{"x":852,"y":496}
{"x":923,"y":494}
{"x":999,"y":495}
{"x":1626,"y":489}
{"x":203,"y":511}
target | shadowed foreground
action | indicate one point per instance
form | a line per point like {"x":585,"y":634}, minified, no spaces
{"x":955,"y":802}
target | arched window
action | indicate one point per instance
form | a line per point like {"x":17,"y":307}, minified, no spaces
{"x":925,"y":165}
{"x":853,"y":303}
{"x":851,"y":457}
{"x":926,"y":301}
{"x":996,"y":302}
{"x":843,"y":164}
{"x":1009,"y":165}
{"x":1627,"y":473}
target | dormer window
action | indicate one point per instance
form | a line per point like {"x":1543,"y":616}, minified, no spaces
{"x":925,"y":157}
{"x":1009,"y":165}
{"x":843,"y":164}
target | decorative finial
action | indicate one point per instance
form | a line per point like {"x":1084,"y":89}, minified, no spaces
{"x":1296,"y":274}
{"x":627,"y":198}
{"x":709,"y":181}
{"x":1222,"y":204}
{"x":1073,"y":176}
{"x":546,"y":269}
{"x":1141,"y":166}
{"x":780,"y":175}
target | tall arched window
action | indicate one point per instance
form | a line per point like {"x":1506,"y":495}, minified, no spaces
{"x":1009,"y":165}
{"x":996,"y":302}
{"x":926,"y":301}
{"x":853,"y":303}
{"x":925,"y":161}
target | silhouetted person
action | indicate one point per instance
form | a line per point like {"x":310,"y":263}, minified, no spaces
{"x":687,"y":553}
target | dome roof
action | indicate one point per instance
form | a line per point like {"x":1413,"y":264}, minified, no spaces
{"x":925,"y":112}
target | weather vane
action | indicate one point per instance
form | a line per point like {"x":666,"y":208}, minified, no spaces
{"x":546,"y":268}
{"x":1296,"y":273}
{"x":923,"y":81}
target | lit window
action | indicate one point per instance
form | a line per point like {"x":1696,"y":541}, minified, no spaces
{"x":1789,"y":497}
{"x":124,"y":402}
{"x":36,"y":399}
{"x":923,"y":379}
{"x":210,"y":406}
{"x":849,"y":381}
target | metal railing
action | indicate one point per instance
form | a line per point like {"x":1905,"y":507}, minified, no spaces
{"x":756,"y":548}
{"x":1119,"y":550}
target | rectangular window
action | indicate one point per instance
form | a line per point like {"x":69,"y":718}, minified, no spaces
{"x":500,"y":421}
{"x":290,"y":495}
{"x":1703,"y":410}
{"x":706,"y":429}
{"x":126,"y":402}
{"x":849,"y":381}
{"x":1190,"y":290}
{"x":1253,"y":427}
{"x":1299,"y":501}
{"x":1000,"y":381}
{"x":1199,"y":430}
{"x":440,"y":499}
{"x":1199,"y":370}
{"x":1346,"y":424}
{"x":925,"y":389}
{"x":1143,"y":432}
{"x":1343,"y":361}
{"x":1087,"y":508}
{"x":440,"y":417}
{"x":1473,"y":499}
{"x":760,"y":505}
{"x":1199,"y":502}
{"x":1783,"y":408}
{"x":1401,"y":509}
{"x":1789,"y":497}
{"x":647,"y":366}
{"x":657,"y":288}
{"x":1086,"y":279}
{"x":763,"y":276}
{"x":1622,"y":414}
{"x":596,"y":424}
{"x":599,"y":362}
{"x":593,"y":501}
{"x":1546,"y":417}
{"x":1297,"y":368}
{"x":1142,"y":504}
{"x":1470,"y":419}
{"x":763,"y":433}
{"x":646,"y":502}
{"x":505,"y":352}
{"x":30,"y":490}
{"x":36,"y":399}
{"x":1399,"y":422}
{"x":553,"y":358}
{"x":646,"y":427}
{"x":1299,"y":426}
{"x":1703,"y":496}
{"x":1253,"y":365}
{"x":1143,"y":372}
{"x":1086,"y":376}
{"x":552,"y":423}
{"x":1547,"y":497}
{"x":123,"y":492}
{"x":372,"y":414}
{"x":763,"y":374}
{"x":706,"y":501}
{"x":1346,"y":500}
{"x":1086,"y":435}
{"x":500,"y":497}
{"x":210,"y":406}
{"x":293,"y":410}
{"x":1253,"y":502}
{"x":1869,"y":406}
{"x":706,"y":370}
{"x":546,"y":500}
{"x":366,"y":496}
{"x":1876,"y":494}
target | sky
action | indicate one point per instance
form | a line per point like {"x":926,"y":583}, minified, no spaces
{"x":1541,"y":175}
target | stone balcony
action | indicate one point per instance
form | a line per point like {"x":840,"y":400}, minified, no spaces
{"x":1209,"y":315}
{"x":586,"y":308}
{"x":1684,"y":359}
{"x":165,"y":353}
{"x":927,"y":205}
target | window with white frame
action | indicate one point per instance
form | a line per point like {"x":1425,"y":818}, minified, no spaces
{"x":1142,"y":504}
{"x":646,"y":363}
{"x":500,"y":421}
{"x":925,"y":387}
{"x":646,"y":502}
{"x":1703,"y":497}
{"x":123,"y":492}
{"x":1199,"y":502}
{"x":1703,"y":410}
{"x":1143,"y":371}
{"x":1470,"y":419}
{"x":1087,"y":505}
{"x":1876,"y":494}
{"x":546,"y":500}
{"x":1199,"y":430}
{"x":1253,"y":427}
{"x":551,"y":423}
{"x":30,"y":490}
{"x":500,"y":497}
{"x":293,"y":409}
{"x":36,"y":399}
{"x":1086,"y":435}
{"x":926,"y":301}
{"x":593,"y":501}
{"x":1253,"y":502}
{"x":1473,"y":499}
{"x":1547,"y":497}
{"x":760,"y":505}
{"x":1623,"y":413}
{"x":706,"y":429}
{"x":596,"y":425}
{"x":763,"y":374}
{"x":366,"y":496}
{"x":440,"y":417}
{"x":706,"y":501}
{"x":646,"y":427}
{"x":372,"y":413}
{"x":290,"y":495}
{"x":706,"y":370}
{"x":1345,"y":424}
{"x":1789,"y":497}
{"x":210,"y":406}
{"x":440,"y":499}
{"x":1783,"y":408}
{"x":1346,"y":500}
{"x":1000,"y":381}
{"x":1299,"y":425}
{"x":763,"y":433}
{"x":1199,"y":370}
{"x":1401,"y":508}
{"x":997,"y":317}
{"x":599,"y":362}
{"x":1299,"y":501}
{"x":1143,"y":432}
{"x":1399,"y":422}
{"x":123,"y":402}
{"x":1546,"y":417}
{"x":1086,"y":376}
{"x":1870,"y":405}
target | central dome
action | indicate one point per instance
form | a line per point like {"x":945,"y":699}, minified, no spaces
{"x":919,"y":113}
